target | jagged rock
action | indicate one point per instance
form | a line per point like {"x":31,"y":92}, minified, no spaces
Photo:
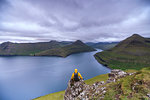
{"x":131,"y":73}
{"x":111,"y":80}
{"x":97,"y":84}
{"x":81,"y":91}
{"x":74,"y":89}
{"x":116,"y":74}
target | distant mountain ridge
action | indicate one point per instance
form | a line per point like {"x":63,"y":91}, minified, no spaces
{"x":102,"y":45}
{"x":75,"y":47}
{"x":32,"y":49}
{"x":132,"y":53}
{"x":9,"y":48}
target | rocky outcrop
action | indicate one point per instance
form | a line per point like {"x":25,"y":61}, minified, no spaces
{"x":81,"y":91}
{"x":116,"y":74}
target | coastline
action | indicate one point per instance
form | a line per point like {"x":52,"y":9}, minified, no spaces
{"x":100,"y":61}
{"x":45,"y":55}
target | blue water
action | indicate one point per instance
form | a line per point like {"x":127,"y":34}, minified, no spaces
{"x":25,"y":78}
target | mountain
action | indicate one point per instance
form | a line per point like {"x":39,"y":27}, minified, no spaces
{"x":53,"y":47}
{"x":117,"y":85}
{"x":133,"y":53}
{"x":134,"y":45}
{"x":9,"y":48}
{"x":102,"y":45}
{"x":76,"y":47}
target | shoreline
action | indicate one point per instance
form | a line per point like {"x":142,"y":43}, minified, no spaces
{"x":44,"y":55}
{"x":105,"y":65}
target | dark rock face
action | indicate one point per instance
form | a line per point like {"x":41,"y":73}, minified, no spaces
{"x":81,"y":91}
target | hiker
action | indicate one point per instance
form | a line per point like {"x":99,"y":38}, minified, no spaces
{"x":76,"y":76}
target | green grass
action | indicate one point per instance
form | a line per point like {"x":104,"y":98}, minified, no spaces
{"x":123,"y":88}
{"x":130,"y":70}
{"x":122,"y":61}
{"x":102,"y":77}
{"x":52,"y":96}
{"x":131,"y":53}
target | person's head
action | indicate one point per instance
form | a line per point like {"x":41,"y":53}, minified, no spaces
{"x":75,"y":70}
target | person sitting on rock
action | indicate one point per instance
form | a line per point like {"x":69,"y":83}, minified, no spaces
{"x":76,"y":76}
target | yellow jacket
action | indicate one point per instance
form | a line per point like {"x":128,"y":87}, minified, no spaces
{"x":78,"y":74}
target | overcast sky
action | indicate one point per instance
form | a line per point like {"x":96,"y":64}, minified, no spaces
{"x":87,"y":20}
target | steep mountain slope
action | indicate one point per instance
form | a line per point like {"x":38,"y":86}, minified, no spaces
{"x":102,"y":45}
{"x":136,"y":45}
{"x":9,"y":48}
{"x":76,"y":47}
{"x":133,"y":53}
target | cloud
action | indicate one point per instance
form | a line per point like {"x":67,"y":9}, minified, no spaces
{"x":87,"y":20}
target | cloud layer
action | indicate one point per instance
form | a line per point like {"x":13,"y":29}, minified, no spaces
{"x":87,"y":20}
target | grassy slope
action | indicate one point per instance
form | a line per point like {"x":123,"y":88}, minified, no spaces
{"x":76,"y":47}
{"x":134,"y":87}
{"x":132,"y":53}
{"x":52,"y":96}
{"x":122,"y":61}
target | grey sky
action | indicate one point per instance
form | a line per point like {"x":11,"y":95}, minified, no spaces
{"x":87,"y":20}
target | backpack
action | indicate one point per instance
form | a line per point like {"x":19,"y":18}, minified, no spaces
{"x":76,"y":78}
